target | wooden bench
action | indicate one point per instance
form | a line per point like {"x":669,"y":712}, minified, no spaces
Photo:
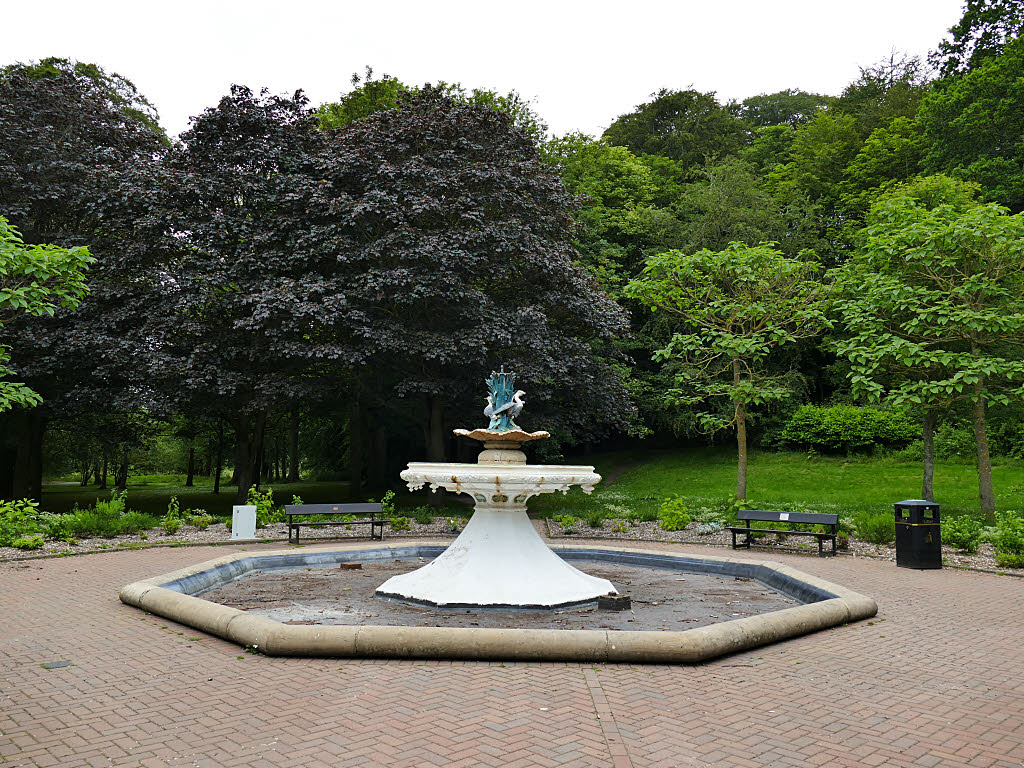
{"x":337,"y":512}
{"x":802,"y":518}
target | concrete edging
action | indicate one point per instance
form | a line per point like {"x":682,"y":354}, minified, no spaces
{"x":168,"y":596}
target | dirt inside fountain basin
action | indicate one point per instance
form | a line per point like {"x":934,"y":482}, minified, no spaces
{"x":661,"y":600}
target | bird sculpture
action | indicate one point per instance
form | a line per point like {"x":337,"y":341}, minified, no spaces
{"x":509,"y":410}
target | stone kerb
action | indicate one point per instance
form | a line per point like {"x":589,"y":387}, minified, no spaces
{"x":169,"y":596}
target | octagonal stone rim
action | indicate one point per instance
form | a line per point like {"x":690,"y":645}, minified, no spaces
{"x":825,"y":605}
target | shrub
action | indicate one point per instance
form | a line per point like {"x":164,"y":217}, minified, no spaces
{"x":673,"y":514}
{"x":400,"y":524}
{"x":266,"y":512}
{"x":566,"y":521}
{"x":708,"y":528}
{"x":619,"y":526}
{"x":963,"y":532}
{"x":18,"y":519}
{"x":136,"y":522}
{"x":644,"y":514}
{"x":847,"y":428}
{"x":423,"y":515}
{"x":1009,"y":539}
{"x":876,"y":527}
{"x":28,"y":542}
{"x":595,"y":518}
{"x":104,"y":519}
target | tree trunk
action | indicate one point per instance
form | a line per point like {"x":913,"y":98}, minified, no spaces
{"x":928,"y":438}
{"x":741,"y":436}
{"x":985,"y":492}
{"x":121,"y":475}
{"x":355,"y":448}
{"x":28,"y":465}
{"x":86,"y":469}
{"x":293,"y":447}
{"x":436,"y":441}
{"x":191,"y":474}
{"x":243,"y":457}
{"x":96,"y":471}
{"x":259,"y":446}
{"x":218,"y":469}
{"x":379,"y":463}
{"x":103,"y":473}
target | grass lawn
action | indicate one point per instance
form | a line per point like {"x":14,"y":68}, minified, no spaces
{"x":825,"y":484}
{"x":644,"y":479}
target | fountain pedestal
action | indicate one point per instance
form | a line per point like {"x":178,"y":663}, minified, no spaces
{"x":499,"y":560}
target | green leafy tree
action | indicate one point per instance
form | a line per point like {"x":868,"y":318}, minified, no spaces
{"x":982,"y":33}
{"x":788,"y":107}
{"x":737,"y":306}
{"x":34,"y":280}
{"x":685,"y":126}
{"x":973,"y":126}
{"x":934,"y":308}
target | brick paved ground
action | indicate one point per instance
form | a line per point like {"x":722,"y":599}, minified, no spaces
{"x":936,"y":680}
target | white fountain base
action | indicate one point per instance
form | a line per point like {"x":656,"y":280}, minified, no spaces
{"x":499,"y":560}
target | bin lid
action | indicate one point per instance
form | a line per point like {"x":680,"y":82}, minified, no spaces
{"x":916,"y":503}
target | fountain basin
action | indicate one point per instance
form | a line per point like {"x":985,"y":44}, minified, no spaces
{"x":499,"y":560}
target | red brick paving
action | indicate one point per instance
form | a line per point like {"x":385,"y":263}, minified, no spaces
{"x":936,"y":679}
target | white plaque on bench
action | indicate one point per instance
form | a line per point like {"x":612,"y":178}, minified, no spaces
{"x":783,"y":515}
{"x":243,"y":522}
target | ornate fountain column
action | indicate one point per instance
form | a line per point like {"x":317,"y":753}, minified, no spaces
{"x":499,"y":560}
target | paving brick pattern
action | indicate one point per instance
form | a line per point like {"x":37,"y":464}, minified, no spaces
{"x":937,"y":679}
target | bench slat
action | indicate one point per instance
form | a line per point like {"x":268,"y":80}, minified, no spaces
{"x":330,"y":509}
{"x":766,"y":516}
{"x":740,"y":529}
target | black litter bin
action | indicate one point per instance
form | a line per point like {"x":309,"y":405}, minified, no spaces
{"x":918,"y":534}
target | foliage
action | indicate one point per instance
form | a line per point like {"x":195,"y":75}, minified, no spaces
{"x":684,"y":126}
{"x":972,"y":127}
{"x":619,"y":526}
{"x":34,"y":280}
{"x":982,"y":34}
{"x":788,"y":107}
{"x":737,"y":307}
{"x":106,"y":518}
{"x":172,"y":520}
{"x":566,"y":521}
{"x":400,"y":524}
{"x":595,"y":518}
{"x":673,"y":514}
{"x":962,"y":532}
{"x":1009,"y":539}
{"x":423,"y":515}
{"x":266,"y":512}
{"x":28,"y":542}
{"x":18,"y":519}
{"x":387,"y":504}
{"x":876,"y":527}
{"x":846,"y":428}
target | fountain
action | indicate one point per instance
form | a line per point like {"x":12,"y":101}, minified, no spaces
{"x":499,"y":560}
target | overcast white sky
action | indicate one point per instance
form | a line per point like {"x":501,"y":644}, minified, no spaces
{"x":582,"y":63}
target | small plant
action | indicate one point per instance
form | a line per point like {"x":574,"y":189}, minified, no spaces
{"x":172,"y":519}
{"x":18,"y":519}
{"x":619,"y":526}
{"x":453,"y":525}
{"x":28,"y":542}
{"x":387,"y":504}
{"x":1009,"y":539}
{"x":423,"y":515}
{"x":595,"y":518}
{"x":567,"y":522}
{"x":673,"y":514}
{"x":400,"y":524}
{"x":645,"y":514}
{"x":708,"y":529}
{"x":963,"y":532}
{"x":876,"y":528}
{"x":842,"y":540}
{"x":266,"y":512}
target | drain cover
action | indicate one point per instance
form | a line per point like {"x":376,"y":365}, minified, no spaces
{"x":56,"y":664}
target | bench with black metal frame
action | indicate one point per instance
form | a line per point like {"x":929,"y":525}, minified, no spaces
{"x":827,"y":521}
{"x":339,"y":512}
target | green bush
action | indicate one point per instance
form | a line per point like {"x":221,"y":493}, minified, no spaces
{"x":266,"y":512}
{"x":847,"y":428}
{"x":400,"y":524}
{"x":619,"y":526}
{"x":644,"y":514}
{"x":566,"y":521}
{"x":673,"y":514}
{"x":963,"y":532}
{"x":136,"y":522}
{"x":423,"y":515}
{"x":28,"y":542}
{"x":876,"y":527}
{"x":1009,"y":539}
{"x":18,"y":519}
{"x":595,"y":518}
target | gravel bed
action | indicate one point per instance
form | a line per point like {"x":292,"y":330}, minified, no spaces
{"x":983,"y":560}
